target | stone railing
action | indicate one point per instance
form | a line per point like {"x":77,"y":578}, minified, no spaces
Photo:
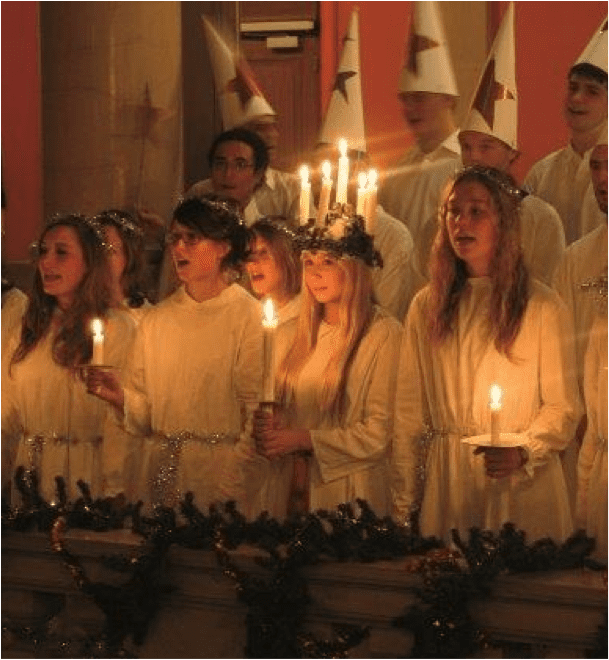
{"x":553,"y":614}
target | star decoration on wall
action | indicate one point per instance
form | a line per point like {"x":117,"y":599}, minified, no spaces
{"x":243,"y":84}
{"x":417,"y":44}
{"x":490,"y":91}
{"x":340,"y":84}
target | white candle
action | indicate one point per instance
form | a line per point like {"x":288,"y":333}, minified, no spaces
{"x":343,"y":173}
{"x":326,"y":190}
{"x":362,"y":194}
{"x":305,"y":194}
{"x":97,"y":328}
{"x":370,"y":210}
{"x":269,"y":324}
{"x":494,"y":404}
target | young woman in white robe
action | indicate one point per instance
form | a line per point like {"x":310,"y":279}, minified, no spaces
{"x":195,"y":374}
{"x":591,"y":508}
{"x":335,"y":380}
{"x":49,"y":421}
{"x":483,"y":321}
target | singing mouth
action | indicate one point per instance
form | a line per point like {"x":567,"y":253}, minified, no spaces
{"x":50,"y":277}
{"x":182,"y":263}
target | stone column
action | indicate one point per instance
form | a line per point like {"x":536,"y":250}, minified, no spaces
{"x":111,"y":106}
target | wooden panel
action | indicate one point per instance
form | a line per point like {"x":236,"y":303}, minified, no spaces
{"x":277,"y":11}
{"x":290,"y":79}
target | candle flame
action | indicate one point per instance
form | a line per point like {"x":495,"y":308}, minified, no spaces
{"x":342,"y":147}
{"x":495,"y":395}
{"x":372,"y":178}
{"x":97,"y":328}
{"x":326,"y":169}
{"x":269,"y":318}
{"x":362,"y":179}
{"x":304,"y":174}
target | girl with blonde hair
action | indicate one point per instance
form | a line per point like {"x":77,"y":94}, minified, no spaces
{"x":335,"y":378}
{"x":480,"y":322}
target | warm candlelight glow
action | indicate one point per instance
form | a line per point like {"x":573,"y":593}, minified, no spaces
{"x":371,"y":197}
{"x":372,"y":178}
{"x":362,"y":193}
{"x":305,"y":194}
{"x":269,"y":318}
{"x":326,"y":170}
{"x":342,"y":147}
{"x":342,"y":178}
{"x":97,"y":329}
{"x":495,"y":395}
{"x":326,"y":190}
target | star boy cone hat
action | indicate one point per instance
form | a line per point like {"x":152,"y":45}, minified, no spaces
{"x":595,"y":52}
{"x":241,"y":99}
{"x":428,"y":66}
{"x":494,"y":108}
{"x":345,"y":114}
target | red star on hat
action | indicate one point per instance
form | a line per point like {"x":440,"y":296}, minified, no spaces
{"x":244,"y":83}
{"x":490,"y":91}
{"x":417,"y":44}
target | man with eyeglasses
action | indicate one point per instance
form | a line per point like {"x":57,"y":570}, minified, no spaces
{"x":238,"y":160}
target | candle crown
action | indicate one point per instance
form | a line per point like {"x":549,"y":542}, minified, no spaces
{"x":343,"y":234}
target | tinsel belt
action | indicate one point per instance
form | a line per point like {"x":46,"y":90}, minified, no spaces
{"x":164,"y":490}
{"x":36,"y":442}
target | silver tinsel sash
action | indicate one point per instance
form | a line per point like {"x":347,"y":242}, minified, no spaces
{"x":35,"y":443}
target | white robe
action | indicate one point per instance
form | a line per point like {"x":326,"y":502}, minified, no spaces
{"x":562,"y":179}
{"x":393,"y":283}
{"x":42,"y":398}
{"x":193,"y":383}
{"x":442,"y":397}
{"x":351,"y":460}
{"x":591,"y":509}
{"x":14,"y":304}
{"x":414,"y":186}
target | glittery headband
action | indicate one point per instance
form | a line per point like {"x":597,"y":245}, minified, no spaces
{"x":75,"y":218}
{"x":497,"y":177}
{"x":121,"y":220}
{"x":219,"y":205}
{"x":343,"y":235}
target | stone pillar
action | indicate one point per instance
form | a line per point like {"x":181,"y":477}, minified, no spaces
{"x":111,"y":106}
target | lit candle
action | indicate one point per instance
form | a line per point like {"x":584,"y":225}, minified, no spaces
{"x":343,"y":173}
{"x":269,"y":323}
{"x":326,"y":189}
{"x":494,"y":404}
{"x":97,"y":328}
{"x":362,"y":194}
{"x":305,"y":194}
{"x":370,"y":210}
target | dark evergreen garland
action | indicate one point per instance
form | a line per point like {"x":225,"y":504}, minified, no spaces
{"x":277,"y":605}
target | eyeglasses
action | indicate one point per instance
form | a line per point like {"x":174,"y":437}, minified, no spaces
{"x":239,"y":165}
{"x":189,"y":238}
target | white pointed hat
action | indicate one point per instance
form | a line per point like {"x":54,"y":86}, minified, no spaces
{"x":428,"y":66}
{"x":345,"y":114}
{"x":241,"y":99}
{"x":595,"y":52}
{"x":494,"y":107}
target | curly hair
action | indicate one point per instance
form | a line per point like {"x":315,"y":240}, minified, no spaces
{"x":72,"y":344}
{"x":508,"y":273}
{"x":132,"y":238}
{"x":217,"y":218}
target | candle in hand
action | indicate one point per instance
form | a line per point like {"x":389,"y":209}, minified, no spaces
{"x":269,"y":324}
{"x":305,"y":194}
{"x":97,"y":328}
{"x":326,"y":189}
{"x":343,"y":173}
{"x":370,"y":210}
{"x":495,"y":395}
{"x":362,"y":194}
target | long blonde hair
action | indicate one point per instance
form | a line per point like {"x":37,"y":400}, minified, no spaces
{"x":508,"y":273}
{"x":355,"y":315}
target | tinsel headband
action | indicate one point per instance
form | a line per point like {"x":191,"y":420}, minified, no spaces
{"x":122,"y":220}
{"x":496,"y":177}
{"x":343,"y":235}
{"x":70,"y":220}
{"x":223,"y":207}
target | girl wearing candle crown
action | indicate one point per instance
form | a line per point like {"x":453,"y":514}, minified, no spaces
{"x":480,"y":321}
{"x":195,"y":373}
{"x":335,"y":377}
{"x":48,"y":417}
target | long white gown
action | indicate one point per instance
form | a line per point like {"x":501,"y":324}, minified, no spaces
{"x":442,"y":397}
{"x":49,"y":421}
{"x":562,"y":179}
{"x":591,"y":509}
{"x":351,"y":460}
{"x":193,"y":383}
